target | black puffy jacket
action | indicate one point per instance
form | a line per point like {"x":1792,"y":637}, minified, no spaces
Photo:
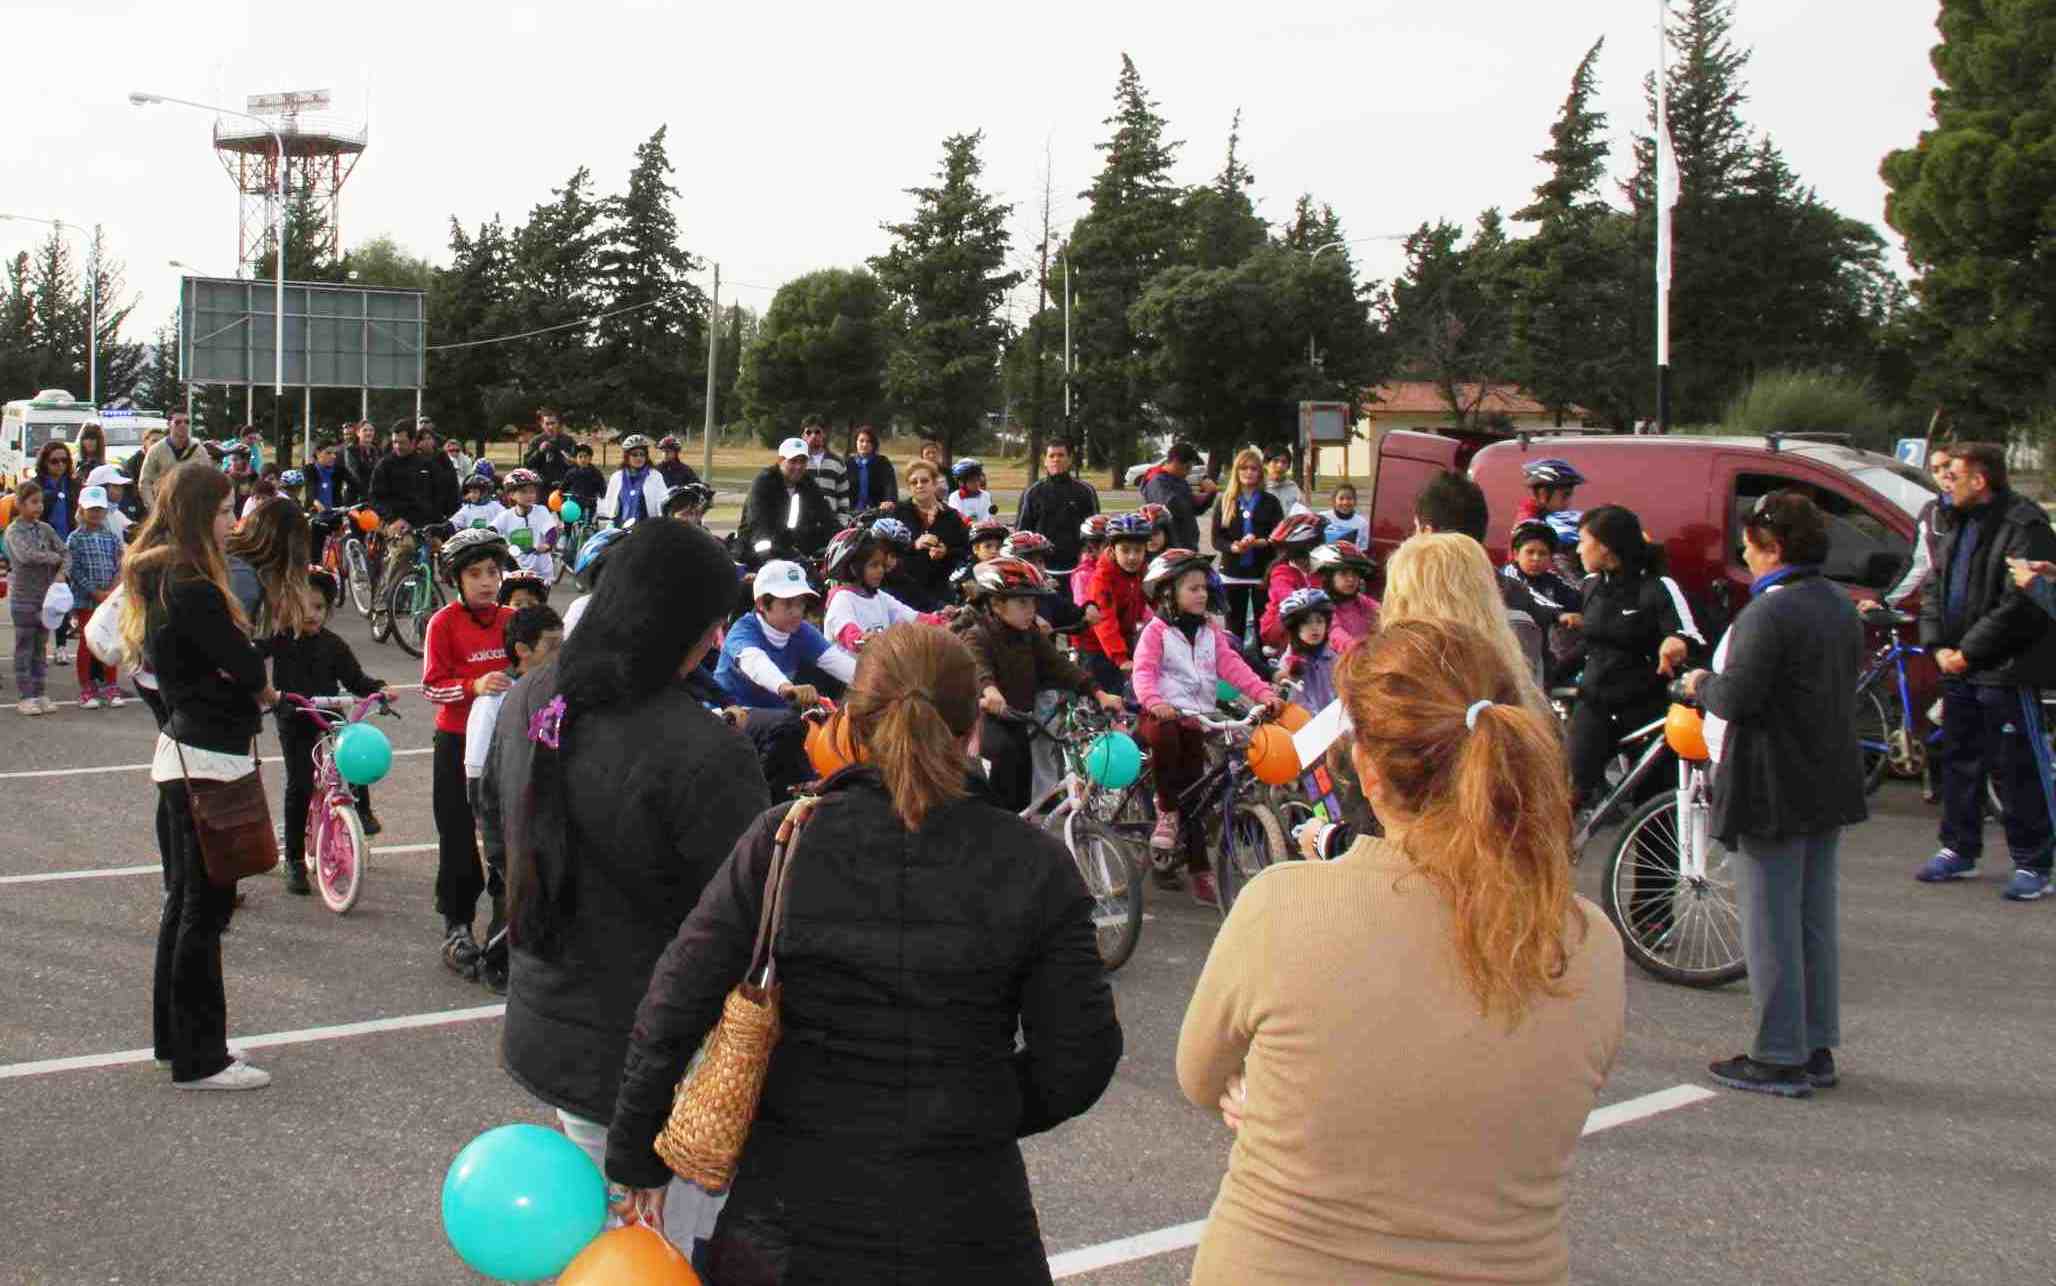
{"x":1627,"y":616}
{"x":884,"y":1148}
{"x":2003,"y":635}
{"x":660,"y":790}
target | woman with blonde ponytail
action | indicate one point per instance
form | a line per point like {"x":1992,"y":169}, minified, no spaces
{"x":1410,"y":1037}
{"x":925,"y":925}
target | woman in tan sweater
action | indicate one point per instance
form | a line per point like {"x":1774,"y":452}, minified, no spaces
{"x":1407,"y":1040}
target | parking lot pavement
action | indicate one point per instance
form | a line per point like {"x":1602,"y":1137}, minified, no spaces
{"x":1931,"y":1163}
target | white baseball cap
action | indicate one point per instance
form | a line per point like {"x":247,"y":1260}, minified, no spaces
{"x":781,"y":579}
{"x":793,"y":449}
{"x":92,"y":498}
{"x":107,"y":475}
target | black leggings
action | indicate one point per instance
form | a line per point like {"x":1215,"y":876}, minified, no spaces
{"x":459,"y":879}
{"x":188,"y":1003}
{"x":1596,"y":730}
{"x":1243,"y":600}
{"x":1006,"y":747}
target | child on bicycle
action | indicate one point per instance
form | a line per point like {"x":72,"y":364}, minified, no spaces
{"x":584,"y":483}
{"x":1537,"y":587}
{"x":858,"y":604}
{"x":1058,"y":610}
{"x":479,"y":508}
{"x":315,"y":662}
{"x":1179,"y":658}
{"x":1342,"y":570}
{"x":1107,"y":650}
{"x":1015,"y":661}
{"x":767,"y":649}
{"x":463,"y":658}
{"x":530,"y":529}
{"x":519,"y":589}
{"x":1092,"y":537}
{"x":1295,"y":539}
{"x":896,"y":540}
{"x":1159,"y":518}
{"x":1308,"y":616}
{"x":532,"y":636}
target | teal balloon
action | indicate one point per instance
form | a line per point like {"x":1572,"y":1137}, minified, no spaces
{"x":363,"y":755}
{"x":521,"y":538}
{"x":521,"y":1201}
{"x":1226,"y":691}
{"x":572,"y":511}
{"x":1113,"y":760}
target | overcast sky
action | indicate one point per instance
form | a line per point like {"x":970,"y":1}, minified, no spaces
{"x":795,"y":126}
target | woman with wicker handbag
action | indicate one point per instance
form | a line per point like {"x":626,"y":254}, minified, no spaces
{"x":618,"y":796}
{"x":917,"y":926}
{"x":178,"y":614}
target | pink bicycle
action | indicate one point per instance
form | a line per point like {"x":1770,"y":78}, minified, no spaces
{"x":337,"y":855}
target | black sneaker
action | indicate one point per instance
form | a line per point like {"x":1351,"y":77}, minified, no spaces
{"x":493,"y":973}
{"x":370,"y":821}
{"x":1744,"y":1073}
{"x":296,"y":878}
{"x":1820,"y":1070}
{"x":460,"y":952}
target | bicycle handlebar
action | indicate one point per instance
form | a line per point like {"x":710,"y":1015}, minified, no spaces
{"x":324,"y":710}
{"x":1243,"y":724}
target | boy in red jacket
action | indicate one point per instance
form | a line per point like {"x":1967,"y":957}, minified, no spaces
{"x":1108,"y":648}
{"x":464,"y":657}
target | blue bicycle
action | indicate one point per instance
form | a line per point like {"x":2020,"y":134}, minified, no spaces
{"x":1884,"y":705}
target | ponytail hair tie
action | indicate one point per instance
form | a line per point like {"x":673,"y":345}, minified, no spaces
{"x":1470,"y":716}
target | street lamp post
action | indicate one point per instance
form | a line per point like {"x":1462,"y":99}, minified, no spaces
{"x":92,"y":297}
{"x":278,"y":226}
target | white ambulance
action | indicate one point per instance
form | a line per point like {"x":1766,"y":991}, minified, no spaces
{"x":52,"y":415}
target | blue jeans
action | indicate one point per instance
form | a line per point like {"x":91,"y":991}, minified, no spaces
{"x":1984,"y":735}
{"x":1786,"y":893}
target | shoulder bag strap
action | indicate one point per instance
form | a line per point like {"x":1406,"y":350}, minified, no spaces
{"x":763,"y":960}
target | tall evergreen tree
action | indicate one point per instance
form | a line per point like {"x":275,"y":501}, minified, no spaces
{"x":1449,"y":311}
{"x":821,"y":350}
{"x":650,"y":351}
{"x":946,"y":279}
{"x":1222,"y":227}
{"x":1571,"y":339}
{"x":1132,"y":231}
{"x":161,"y":389}
{"x":555,"y":282}
{"x":472,"y":389}
{"x":1975,"y":198}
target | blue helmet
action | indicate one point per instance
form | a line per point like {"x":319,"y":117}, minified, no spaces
{"x":1564,"y":522}
{"x":893,"y":532}
{"x":484,"y":469}
{"x":292,"y":478}
{"x":965,"y":467}
{"x":1552,"y":472}
{"x":1301,"y":602}
{"x":587,"y":565}
{"x":1130,"y":526}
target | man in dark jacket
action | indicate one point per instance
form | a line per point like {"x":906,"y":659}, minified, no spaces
{"x":1995,"y":650}
{"x":360,"y":459}
{"x":785,"y":508}
{"x":447,"y":489}
{"x":1056,"y":506}
{"x":1166,"y":485}
{"x":1788,"y":777}
{"x":550,"y":457}
{"x":403,"y":486}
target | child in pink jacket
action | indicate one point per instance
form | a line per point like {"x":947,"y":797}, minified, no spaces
{"x":1295,"y":539}
{"x":1179,"y":657}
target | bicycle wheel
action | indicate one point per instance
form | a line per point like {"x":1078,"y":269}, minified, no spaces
{"x":1113,"y":876}
{"x":1257,"y":841}
{"x":1874,"y":731}
{"x":361,"y":583}
{"x":1683,"y":931}
{"x":336,"y":853}
{"x":411,"y":603}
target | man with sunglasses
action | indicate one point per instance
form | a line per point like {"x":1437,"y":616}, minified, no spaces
{"x":178,"y":446}
{"x":826,"y":468}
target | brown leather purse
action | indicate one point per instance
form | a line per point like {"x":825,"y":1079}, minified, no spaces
{"x":232,"y":820}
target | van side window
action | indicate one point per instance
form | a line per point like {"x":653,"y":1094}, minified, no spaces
{"x":1862,"y":548}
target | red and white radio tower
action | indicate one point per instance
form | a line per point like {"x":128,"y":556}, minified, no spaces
{"x":321,"y":150}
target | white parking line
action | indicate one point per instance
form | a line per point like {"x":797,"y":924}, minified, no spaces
{"x":1184,"y":1236}
{"x":104,"y":872}
{"x":107,"y":768}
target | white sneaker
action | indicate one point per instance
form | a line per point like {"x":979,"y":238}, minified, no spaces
{"x":46,"y":705}
{"x":28,"y":706}
{"x":90,"y":702}
{"x":238,"y":1075}
{"x":235,"y":1055}
{"x":115,"y":700}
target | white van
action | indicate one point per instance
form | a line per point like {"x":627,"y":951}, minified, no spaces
{"x":52,"y":415}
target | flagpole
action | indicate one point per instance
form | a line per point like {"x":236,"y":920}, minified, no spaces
{"x":1666,"y":197}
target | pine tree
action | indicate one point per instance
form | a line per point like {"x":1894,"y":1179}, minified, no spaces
{"x":650,"y":354}
{"x":1571,"y":339}
{"x":945,"y":277}
{"x":1449,"y":311}
{"x":821,"y":350}
{"x":1222,"y":227}
{"x":1132,"y":231}
{"x":471,"y":390}
{"x":1975,"y":199}
{"x":553,"y":272}
{"x":162,"y":390}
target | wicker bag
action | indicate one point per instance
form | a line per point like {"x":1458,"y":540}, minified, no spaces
{"x":716,"y":1102}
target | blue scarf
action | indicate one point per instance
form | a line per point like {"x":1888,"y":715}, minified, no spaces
{"x":631,"y":509}
{"x":1779,"y":575}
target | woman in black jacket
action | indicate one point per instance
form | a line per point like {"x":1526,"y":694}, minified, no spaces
{"x":179,"y":615}
{"x":925,"y":927}
{"x":619,"y":795}
{"x":1243,"y":523}
{"x":1788,"y":778}
{"x":941,"y":540}
{"x":1638,"y":632}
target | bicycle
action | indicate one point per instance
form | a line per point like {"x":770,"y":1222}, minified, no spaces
{"x":1882,"y":692}
{"x":574,"y":535}
{"x":1105,"y":860}
{"x":359,"y":557}
{"x":1669,"y":888}
{"x":1222,"y":812}
{"x":416,"y":594}
{"x":337,"y":854}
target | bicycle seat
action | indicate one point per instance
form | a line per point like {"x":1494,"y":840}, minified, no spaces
{"x":1886,"y":617}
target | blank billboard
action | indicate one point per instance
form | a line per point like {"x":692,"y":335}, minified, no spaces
{"x":336,"y":336}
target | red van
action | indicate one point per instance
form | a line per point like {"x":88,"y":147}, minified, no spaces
{"x":1691,"y":493}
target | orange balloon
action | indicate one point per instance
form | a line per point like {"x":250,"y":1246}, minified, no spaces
{"x":828,"y":745}
{"x":1294,"y":717}
{"x":1685,"y":732}
{"x":556,"y":501}
{"x":632,"y":1256}
{"x":1272,"y":756}
{"x":367,"y":521}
